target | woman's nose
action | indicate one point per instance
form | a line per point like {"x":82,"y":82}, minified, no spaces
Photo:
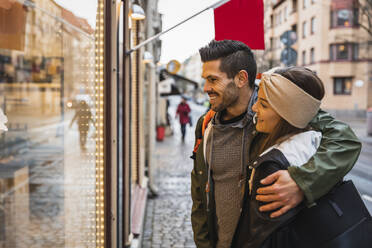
{"x":254,"y":107}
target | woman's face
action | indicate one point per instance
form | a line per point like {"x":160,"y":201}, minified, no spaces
{"x":267,"y":118}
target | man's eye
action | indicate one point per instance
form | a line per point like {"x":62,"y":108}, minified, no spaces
{"x":263,"y":105}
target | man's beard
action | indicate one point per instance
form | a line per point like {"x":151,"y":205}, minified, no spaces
{"x":230,"y":97}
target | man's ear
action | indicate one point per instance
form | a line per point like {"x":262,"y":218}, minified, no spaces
{"x":241,"y":79}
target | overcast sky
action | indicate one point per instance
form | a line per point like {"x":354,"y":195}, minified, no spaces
{"x":82,"y":8}
{"x":179,"y":43}
{"x":186,"y":39}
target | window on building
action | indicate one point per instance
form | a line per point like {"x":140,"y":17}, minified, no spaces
{"x":271,"y":21}
{"x":313,"y":1}
{"x":285,"y":13}
{"x":312,"y":25}
{"x":312,"y":56}
{"x":294,"y":28}
{"x":344,"y":51}
{"x":342,"y":85}
{"x":344,"y":18}
{"x":303,"y":57}
{"x":294,"y":6}
{"x":305,"y":3}
{"x":277,"y":42}
{"x":304,"y":30}
{"x":271,"y":43}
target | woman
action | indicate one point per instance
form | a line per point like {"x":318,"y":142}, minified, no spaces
{"x":288,"y":100}
{"x":183,"y":111}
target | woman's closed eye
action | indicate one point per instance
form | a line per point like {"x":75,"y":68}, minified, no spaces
{"x":263,"y":104}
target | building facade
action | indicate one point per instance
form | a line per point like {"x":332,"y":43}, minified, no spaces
{"x":192,"y":68}
{"x":330,"y":38}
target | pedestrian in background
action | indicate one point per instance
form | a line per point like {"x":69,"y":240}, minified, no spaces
{"x":222,"y":154}
{"x":83,"y":116}
{"x":183,"y":111}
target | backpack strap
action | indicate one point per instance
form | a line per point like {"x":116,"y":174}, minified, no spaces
{"x":207,"y":118}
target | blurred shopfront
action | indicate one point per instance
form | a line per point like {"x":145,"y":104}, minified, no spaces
{"x":53,"y":169}
{"x":74,"y":163}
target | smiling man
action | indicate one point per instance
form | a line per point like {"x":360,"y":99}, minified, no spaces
{"x":225,"y":147}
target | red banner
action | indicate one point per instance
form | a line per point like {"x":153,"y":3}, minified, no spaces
{"x":241,"y":20}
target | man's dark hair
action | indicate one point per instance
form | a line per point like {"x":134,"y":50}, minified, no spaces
{"x":234,"y":55}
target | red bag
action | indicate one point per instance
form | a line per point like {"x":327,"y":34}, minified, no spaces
{"x":160,"y":132}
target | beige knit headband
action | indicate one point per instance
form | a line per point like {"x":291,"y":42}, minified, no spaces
{"x":291,"y":102}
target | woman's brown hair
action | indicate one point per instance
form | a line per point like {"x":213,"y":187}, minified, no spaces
{"x":308,"y":81}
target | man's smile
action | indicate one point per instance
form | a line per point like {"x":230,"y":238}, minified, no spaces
{"x":212,"y":96}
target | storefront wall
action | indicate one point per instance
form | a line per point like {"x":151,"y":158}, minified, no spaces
{"x":52,"y":156}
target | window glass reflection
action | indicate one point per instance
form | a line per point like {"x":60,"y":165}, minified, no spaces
{"x":48,"y":93}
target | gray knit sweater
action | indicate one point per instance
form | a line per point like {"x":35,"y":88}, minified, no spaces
{"x":227,"y":152}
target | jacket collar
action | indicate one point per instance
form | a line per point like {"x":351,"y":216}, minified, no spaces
{"x":298,"y":149}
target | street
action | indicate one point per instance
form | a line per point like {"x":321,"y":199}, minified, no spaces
{"x":168,"y":220}
{"x":361,"y":174}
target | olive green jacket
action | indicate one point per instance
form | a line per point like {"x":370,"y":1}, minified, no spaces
{"x":337,"y":154}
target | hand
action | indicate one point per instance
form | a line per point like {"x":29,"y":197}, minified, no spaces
{"x":284,"y":193}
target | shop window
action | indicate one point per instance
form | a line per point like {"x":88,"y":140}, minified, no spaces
{"x":294,"y":28}
{"x":345,"y":51}
{"x":342,"y":85}
{"x":285,"y":13}
{"x":52,"y":156}
{"x":344,"y":18}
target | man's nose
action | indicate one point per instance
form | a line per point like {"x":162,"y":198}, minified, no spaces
{"x":206,"y":87}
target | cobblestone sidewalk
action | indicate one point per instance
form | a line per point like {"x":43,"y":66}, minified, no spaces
{"x":168,"y":221}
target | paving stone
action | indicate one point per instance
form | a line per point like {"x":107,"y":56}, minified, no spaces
{"x":168,"y":215}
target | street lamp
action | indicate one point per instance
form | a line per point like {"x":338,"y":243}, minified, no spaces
{"x":147,"y":57}
{"x":137,"y":13}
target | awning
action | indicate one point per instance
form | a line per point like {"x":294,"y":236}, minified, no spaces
{"x":173,"y":89}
